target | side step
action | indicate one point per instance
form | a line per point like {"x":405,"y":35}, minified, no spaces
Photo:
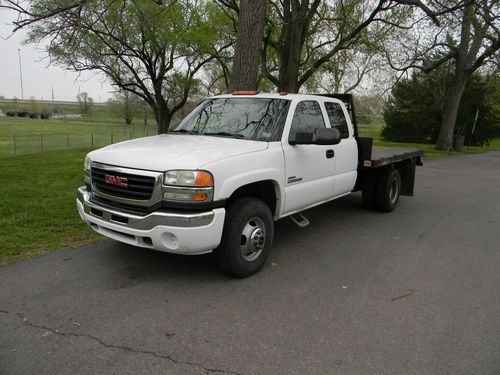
{"x":300,"y":220}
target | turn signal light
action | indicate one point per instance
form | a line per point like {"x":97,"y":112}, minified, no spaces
{"x":200,"y":197}
{"x":203,"y":179}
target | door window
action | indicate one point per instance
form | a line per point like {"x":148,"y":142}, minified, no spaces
{"x":337,"y":119}
{"x":307,"y":118}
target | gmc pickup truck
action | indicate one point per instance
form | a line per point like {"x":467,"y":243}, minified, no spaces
{"x":237,"y":163}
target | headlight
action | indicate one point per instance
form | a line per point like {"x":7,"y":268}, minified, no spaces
{"x":86,"y":170}
{"x":188,"y":178}
{"x":86,"y":163}
{"x":188,"y":186}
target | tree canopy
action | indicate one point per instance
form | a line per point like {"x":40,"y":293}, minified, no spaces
{"x":154,"y":50}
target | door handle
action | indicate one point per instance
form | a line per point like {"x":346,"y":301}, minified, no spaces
{"x":330,"y":154}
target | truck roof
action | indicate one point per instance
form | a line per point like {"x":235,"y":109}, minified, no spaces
{"x":285,"y":96}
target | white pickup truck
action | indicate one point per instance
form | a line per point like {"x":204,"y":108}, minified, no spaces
{"x":237,"y":163}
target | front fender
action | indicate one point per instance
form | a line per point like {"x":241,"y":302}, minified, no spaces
{"x":232,"y":173}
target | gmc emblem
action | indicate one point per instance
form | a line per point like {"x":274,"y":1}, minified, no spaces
{"x":115,"y":180}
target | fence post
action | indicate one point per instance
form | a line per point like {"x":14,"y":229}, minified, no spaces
{"x":92,"y":140}
{"x":15,"y":148}
{"x":67,"y":140}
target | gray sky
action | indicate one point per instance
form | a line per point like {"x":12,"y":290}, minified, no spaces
{"x":38,"y":78}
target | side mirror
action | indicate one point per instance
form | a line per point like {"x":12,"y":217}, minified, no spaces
{"x":327,"y":136}
{"x":302,"y":138}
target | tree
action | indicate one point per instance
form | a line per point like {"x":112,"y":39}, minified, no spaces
{"x":303,"y":37}
{"x":415,"y":110}
{"x":368,"y":108}
{"x":86,"y":103}
{"x":126,"y":106}
{"x":469,"y":37}
{"x":245,"y":71}
{"x":478,"y":27}
{"x":34,"y":108}
{"x":154,"y":50}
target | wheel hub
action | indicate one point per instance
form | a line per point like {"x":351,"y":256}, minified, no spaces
{"x":253,"y":239}
{"x":257,"y":239}
{"x":393,"y":192}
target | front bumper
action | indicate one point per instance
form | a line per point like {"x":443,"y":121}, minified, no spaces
{"x":192,"y":233}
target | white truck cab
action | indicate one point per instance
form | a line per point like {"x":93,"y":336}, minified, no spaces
{"x":232,"y":167}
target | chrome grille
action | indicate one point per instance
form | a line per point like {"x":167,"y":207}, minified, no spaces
{"x":138,"y":187}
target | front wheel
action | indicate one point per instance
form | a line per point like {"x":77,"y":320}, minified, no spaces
{"x":247,"y":237}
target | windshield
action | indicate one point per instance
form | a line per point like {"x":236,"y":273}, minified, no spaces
{"x":258,"y":119}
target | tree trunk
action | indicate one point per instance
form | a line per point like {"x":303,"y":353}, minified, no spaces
{"x":461,"y":76}
{"x":450,"y":112}
{"x":248,"y":45}
{"x":294,"y":19}
{"x":163,"y":117}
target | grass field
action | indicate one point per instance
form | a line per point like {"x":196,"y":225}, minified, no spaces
{"x":37,"y":209}
{"x":24,"y":136}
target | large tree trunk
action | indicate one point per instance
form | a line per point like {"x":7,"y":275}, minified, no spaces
{"x":163,"y":116}
{"x":462,"y":74}
{"x":294,"y":19}
{"x":248,"y":45}
{"x":450,"y":112}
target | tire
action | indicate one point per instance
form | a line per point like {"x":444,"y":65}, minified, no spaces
{"x":388,"y":190}
{"x":246,"y":239}
{"x":368,"y":194}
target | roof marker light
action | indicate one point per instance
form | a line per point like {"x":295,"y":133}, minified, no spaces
{"x":243,"y":92}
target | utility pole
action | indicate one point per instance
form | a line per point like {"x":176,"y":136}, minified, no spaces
{"x":20,"y":72}
{"x":52,"y":93}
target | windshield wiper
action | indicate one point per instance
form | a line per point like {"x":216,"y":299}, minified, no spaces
{"x":184,"y":131}
{"x":226,"y":134}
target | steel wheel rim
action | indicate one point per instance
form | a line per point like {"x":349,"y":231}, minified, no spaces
{"x":253,"y":239}
{"x":393,"y":191}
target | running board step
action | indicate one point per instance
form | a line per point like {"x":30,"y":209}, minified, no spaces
{"x":300,"y":220}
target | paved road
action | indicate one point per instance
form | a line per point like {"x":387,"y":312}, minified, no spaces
{"x":357,"y":292}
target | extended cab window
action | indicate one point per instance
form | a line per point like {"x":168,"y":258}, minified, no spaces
{"x":337,"y":118}
{"x":307,"y":118}
{"x":258,"y":119}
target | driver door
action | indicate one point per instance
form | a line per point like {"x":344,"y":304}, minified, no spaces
{"x":309,"y":169}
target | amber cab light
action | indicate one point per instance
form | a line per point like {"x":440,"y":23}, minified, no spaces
{"x":243,"y":92}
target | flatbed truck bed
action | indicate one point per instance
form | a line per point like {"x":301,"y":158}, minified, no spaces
{"x":382,"y":156}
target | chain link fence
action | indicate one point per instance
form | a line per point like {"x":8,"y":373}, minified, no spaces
{"x":42,"y":142}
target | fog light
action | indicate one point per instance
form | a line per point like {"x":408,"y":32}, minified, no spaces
{"x":170,"y":241}
{"x":177,"y":196}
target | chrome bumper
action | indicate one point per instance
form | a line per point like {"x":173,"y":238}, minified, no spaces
{"x":142,"y":222}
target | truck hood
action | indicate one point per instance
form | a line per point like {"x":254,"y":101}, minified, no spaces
{"x":173,"y":151}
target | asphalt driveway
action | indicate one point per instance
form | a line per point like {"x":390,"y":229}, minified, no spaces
{"x":416,"y":291}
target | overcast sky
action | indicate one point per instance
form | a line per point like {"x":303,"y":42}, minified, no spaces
{"x":38,"y":78}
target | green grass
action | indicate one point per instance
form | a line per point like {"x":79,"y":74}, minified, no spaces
{"x":38,"y":211}
{"x":33,"y":135}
